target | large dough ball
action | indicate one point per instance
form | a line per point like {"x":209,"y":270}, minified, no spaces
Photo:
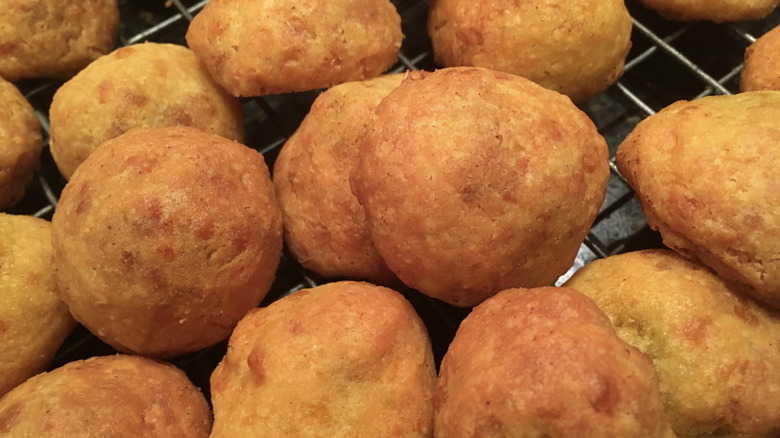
{"x":475,"y":181}
{"x":107,"y":396}
{"x":762,"y":63}
{"x":342,"y":359}
{"x":325,"y":227}
{"x":715,"y":351}
{"x":145,"y":85}
{"x":20,"y":144}
{"x":54,"y":38}
{"x":165,"y":237}
{"x":33,"y":319}
{"x":576,"y":47}
{"x":257,"y":47}
{"x":545,"y":362}
{"x":706,"y":174}
{"x":713,"y":10}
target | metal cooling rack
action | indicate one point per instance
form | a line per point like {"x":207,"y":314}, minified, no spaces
{"x":669,"y":61}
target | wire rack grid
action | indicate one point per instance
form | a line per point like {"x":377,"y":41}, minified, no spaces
{"x":668,"y":61}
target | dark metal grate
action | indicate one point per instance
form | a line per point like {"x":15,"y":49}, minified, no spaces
{"x":668,"y":61}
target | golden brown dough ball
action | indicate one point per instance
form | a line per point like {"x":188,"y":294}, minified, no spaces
{"x":258,"y":47}
{"x":575,"y":47}
{"x":107,"y":396}
{"x":53,"y":38}
{"x":33,"y":319}
{"x":762,"y":63}
{"x":715,"y":351}
{"x":717,"y":11}
{"x":706,"y":174}
{"x":545,"y":362}
{"x":144,"y":85}
{"x":165,"y":237}
{"x":474,"y":181}
{"x":342,"y":359}
{"x":325,"y":226}
{"x":20,"y":144}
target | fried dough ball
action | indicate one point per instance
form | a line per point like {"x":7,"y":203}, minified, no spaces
{"x":762,"y":63}
{"x":717,"y":11}
{"x":341,"y":359}
{"x":706,"y":175}
{"x":20,"y":144}
{"x":577,"y":48}
{"x":474,"y":181}
{"x":117,"y":396}
{"x":144,"y":85}
{"x":258,"y":47}
{"x":716,"y":352}
{"x":545,"y":362}
{"x":325,"y":226}
{"x":165,"y":237}
{"x":33,"y":319}
{"x":52,"y":38}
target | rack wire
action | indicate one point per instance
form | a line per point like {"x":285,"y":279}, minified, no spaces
{"x":668,"y":61}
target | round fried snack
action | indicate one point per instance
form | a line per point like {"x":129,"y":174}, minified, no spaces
{"x":577,"y":48}
{"x":718,"y":11}
{"x":145,"y":85}
{"x":706,"y":175}
{"x":52,"y":38}
{"x":341,"y":359}
{"x":165,"y":237}
{"x":117,"y":396}
{"x":715,"y":351}
{"x":325,"y":226}
{"x":545,"y":362}
{"x":33,"y":319}
{"x":762,"y":63}
{"x":474,"y":181}
{"x":20,"y":144}
{"x":258,"y":47}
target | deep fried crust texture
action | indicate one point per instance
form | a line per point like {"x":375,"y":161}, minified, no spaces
{"x":545,"y":362}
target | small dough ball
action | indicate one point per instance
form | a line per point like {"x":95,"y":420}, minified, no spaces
{"x":762,"y":63}
{"x":145,"y":85}
{"x":577,"y":48}
{"x":706,"y":175}
{"x":325,"y":226}
{"x":118,"y":396}
{"x":53,"y":38}
{"x":341,"y":359}
{"x":475,"y":181}
{"x":33,"y":319}
{"x":20,"y":144}
{"x":258,"y":47}
{"x":716,"y":352}
{"x":717,"y":11}
{"x":545,"y":362}
{"x":165,"y":237}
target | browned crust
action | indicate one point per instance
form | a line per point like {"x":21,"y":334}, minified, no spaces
{"x":461,"y":207}
{"x":705,"y":174}
{"x":270,"y":46}
{"x":325,"y":226}
{"x":165,"y":237}
{"x":545,"y":362}
{"x":762,"y":63}
{"x":118,"y":396}
{"x":341,"y":359}
{"x":578,"y":50}
{"x":20,"y":145}
{"x":146,"y":85}
{"x":716,"y":351}
{"x":52,"y":38}
{"x":33,"y":319}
